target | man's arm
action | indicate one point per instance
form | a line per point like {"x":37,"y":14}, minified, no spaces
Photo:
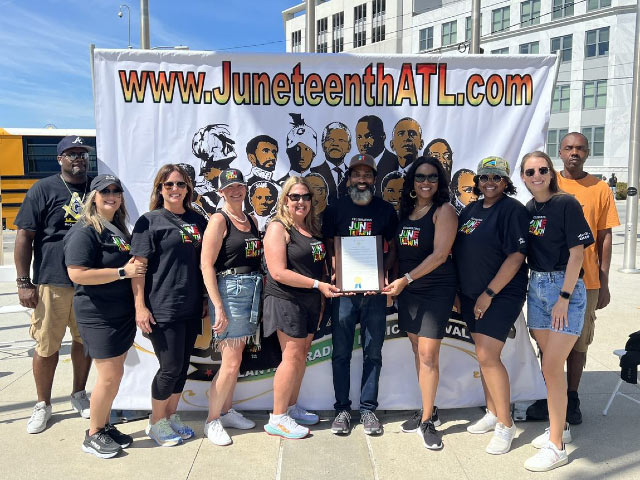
{"x":22,"y":254}
{"x":604,"y":242}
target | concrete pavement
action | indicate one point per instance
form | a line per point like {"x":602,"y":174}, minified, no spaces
{"x":603,"y":447}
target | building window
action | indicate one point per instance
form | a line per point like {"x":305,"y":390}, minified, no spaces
{"x":500,"y":19}
{"x":595,"y":136}
{"x":426,"y":39}
{"x":449,"y":33}
{"x":529,"y":13}
{"x":596,"y":4}
{"x":560,"y":99}
{"x":337,"y":24}
{"x":554,"y":136}
{"x":296,"y":41}
{"x":594,"y":94}
{"x":359,"y":25}
{"x":531,"y":47}
{"x":41,"y":157}
{"x":597,"y":43}
{"x":377,"y":30}
{"x":467,"y":28}
{"x":563,"y":45}
{"x":322,"y":35}
{"x":561,"y":9}
{"x":500,"y":51}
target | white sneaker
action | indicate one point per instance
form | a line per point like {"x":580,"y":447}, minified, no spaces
{"x":484,"y":425}
{"x":548,"y":458}
{"x":301,"y":416}
{"x":162,"y":433}
{"x":39,"y":418}
{"x":541,"y":440}
{"x":80,"y":403}
{"x":285,"y":427}
{"x":502,"y":437}
{"x":234,"y":419}
{"x":216,"y":433}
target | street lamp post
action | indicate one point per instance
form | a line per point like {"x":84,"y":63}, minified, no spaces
{"x":124,"y":5}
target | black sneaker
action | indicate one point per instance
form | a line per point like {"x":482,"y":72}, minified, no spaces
{"x":342,"y":423}
{"x":574,"y":415}
{"x":430,"y":436}
{"x":413,"y":423}
{"x":372,"y":425}
{"x":117,"y":436}
{"x":100,"y":444}
{"x":435,"y":418}
{"x":538,"y":411}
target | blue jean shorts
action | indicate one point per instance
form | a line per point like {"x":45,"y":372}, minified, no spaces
{"x":241,"y":296}
{"x":544,"y":291}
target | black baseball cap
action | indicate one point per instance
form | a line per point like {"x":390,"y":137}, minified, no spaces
{"x":363,"y":159}
{"x":229,"y":177}
{"x":73,"y":141}
{"x":104,"y":180}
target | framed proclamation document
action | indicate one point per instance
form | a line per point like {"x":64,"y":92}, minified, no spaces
{"x":359,"y":266}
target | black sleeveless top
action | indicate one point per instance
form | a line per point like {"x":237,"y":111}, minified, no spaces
{"x":415,"y":243}
{"x":306,"y":256}
{"x":239,"y":249}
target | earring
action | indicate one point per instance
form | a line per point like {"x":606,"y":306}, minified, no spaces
{"x":413,"y":194}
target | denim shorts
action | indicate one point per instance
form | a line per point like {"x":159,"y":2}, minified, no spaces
{"x":544,"y":291}
{"x":241,"y":296}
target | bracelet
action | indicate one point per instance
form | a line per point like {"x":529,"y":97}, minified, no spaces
{"x":24,"y":282}
{"x":408,"y":277}
{"x":490,"y":292}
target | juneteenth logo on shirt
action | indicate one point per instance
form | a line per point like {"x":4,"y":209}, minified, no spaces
{"x":409,"y":236}
{"x":537,"y":226}
{"x":122,"y":245}
{"x":252,"y":248}
{"x":360,"y":227}
{"x":318,"y":251}
{"x":193,"y":230}
{"x":470,"y":225}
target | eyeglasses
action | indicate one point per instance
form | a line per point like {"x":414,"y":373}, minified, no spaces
{"x":296,"y":197}
{"x":421,"y":177}
{"x":170,"y":185}
{"x":530,"y":172}
{"x":490,"y":178}
{"x":107,"y":191}
{"x":76,"y":156}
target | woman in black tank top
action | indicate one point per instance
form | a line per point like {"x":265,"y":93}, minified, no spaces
{"x":296,"y":259}
{"x":231,"y":257}
{"x":426,"y":287}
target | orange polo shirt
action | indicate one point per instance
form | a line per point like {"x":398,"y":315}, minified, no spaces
{"x":599,"y":209}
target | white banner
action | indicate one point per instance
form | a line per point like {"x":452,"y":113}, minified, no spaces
{"x":273,"y":115}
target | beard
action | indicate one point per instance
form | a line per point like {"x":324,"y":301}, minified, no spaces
{"x":360,"y":197}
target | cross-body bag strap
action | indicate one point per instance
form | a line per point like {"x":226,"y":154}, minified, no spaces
{"x":113,"y":229}
{"x":194,"y":240}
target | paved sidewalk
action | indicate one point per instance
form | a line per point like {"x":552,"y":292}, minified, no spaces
{"x":603,"y":447}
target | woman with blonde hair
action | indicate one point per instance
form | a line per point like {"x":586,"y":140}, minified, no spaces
{"x":98,"y":262}
{"x":296,"y":257}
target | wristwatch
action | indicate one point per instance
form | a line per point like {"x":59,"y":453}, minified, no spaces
{"x":121,"y":273}
{"x":565,"y":295}
{"x":408,"y":277}
{"x":315,"y":284}
{"x":490,"y":292}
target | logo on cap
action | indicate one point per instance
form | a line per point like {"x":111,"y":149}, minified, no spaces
{"x":78,"y":140}
{"x":489,"y":162}
{"x":232,"y":175}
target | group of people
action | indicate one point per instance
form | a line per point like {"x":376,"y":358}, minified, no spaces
{"x":175,"y":266}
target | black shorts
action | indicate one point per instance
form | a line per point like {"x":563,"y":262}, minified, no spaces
{"x":498,"y":319}
{"x":426,"y":313}
{"x":297,"y":318}
{"x":107,"y":340}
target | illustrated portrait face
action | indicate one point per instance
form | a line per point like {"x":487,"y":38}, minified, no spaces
{"x":407,"y":139}
{"x":440,"y":149}
{"x":392,"y":189}
{"x":320,"y":191}
{"x":300,"y":157}
{"x":336,"y":142}
{"x":464,"y":188}
{"x":263,"y":197}
{"x":265,"y":156}
{"x":370,"y":135}
{"x":215,"y":148}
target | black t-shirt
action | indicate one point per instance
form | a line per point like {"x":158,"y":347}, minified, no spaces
{"x":50,"y":210}
{"x":415,"y":243}
{"x":239,"y":249}
{"x":486,"y":236}
{"x":106,"y":303}
{"x":306,"y":256}
{"x":173,"y":285}
{"x":344,"y":218}
{"x":555,"y":226}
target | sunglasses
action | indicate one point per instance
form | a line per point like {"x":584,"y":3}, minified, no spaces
{"x":530,"y":172}
{"x":296,"y":197}
{"x":76,"y":156}
{"x":169,"y":185}
{"x":108,"y":191}
{"x":490,"y":178}
{"x":421,"y":177}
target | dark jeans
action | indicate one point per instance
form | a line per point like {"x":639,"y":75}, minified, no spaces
{"x":346,"y":312}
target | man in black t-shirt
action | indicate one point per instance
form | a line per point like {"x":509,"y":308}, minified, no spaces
{"x":50,"y":208}
{"x":355,"y":214}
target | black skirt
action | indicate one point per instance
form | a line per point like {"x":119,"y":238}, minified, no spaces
{"x":426,"y":313}
{"x":296,"y":319}
{"x":107,"y":340}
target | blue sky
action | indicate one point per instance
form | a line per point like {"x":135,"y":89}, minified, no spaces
{"x":44,"y":65}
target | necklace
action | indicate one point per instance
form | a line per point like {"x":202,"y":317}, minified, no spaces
{"x":235,"y":217}
{"x":417,"y":212}
{"x":535,"y":206}
{"x":75,"y":193}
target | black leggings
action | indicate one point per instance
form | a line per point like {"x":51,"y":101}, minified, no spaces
{"x":172,"y":343}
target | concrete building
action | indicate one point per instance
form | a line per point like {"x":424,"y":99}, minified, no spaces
{"x":594,"y":38}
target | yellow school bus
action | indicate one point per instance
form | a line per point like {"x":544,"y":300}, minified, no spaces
{"x":27,"y":155}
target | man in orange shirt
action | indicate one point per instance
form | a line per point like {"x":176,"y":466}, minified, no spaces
{"x":600,"y":212}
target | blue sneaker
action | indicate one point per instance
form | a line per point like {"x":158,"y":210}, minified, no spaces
{"x":301,"y":416}
{"x":286,"y":427}
{"x":163,"y":434}
{"x":181,"y":428}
